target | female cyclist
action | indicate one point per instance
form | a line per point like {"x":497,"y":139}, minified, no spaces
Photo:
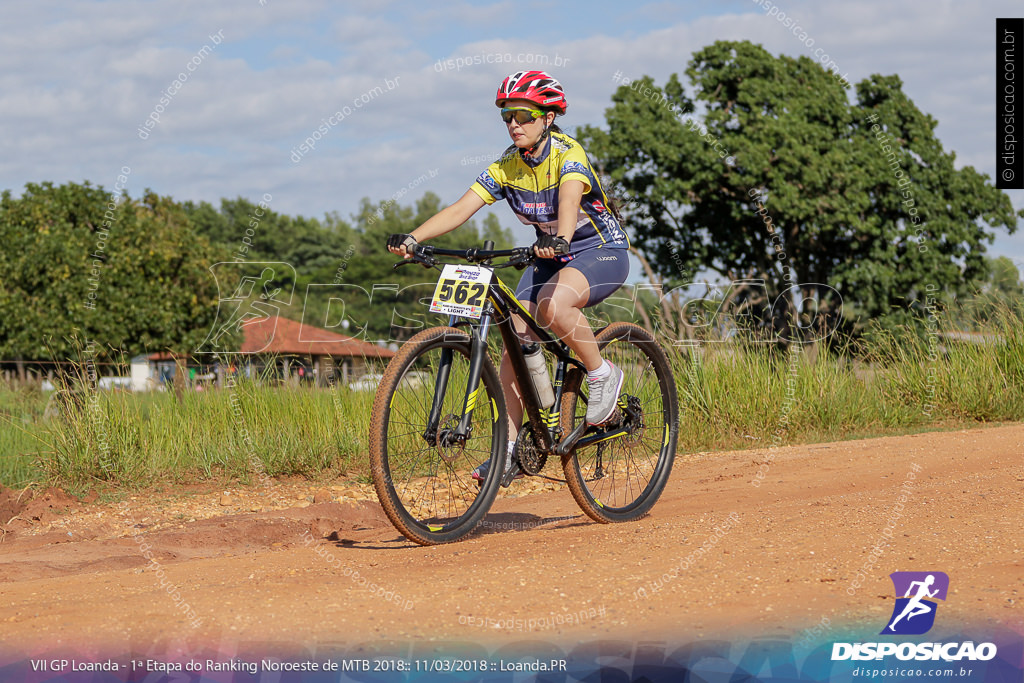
{"x":547,"y":179}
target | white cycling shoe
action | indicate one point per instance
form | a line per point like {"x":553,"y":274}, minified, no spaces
{"x":604,"y":394}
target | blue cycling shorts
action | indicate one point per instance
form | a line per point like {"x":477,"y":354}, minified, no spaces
{"x":605,"y":270}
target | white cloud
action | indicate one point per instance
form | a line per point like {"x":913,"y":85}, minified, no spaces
{"x":79,"y":79}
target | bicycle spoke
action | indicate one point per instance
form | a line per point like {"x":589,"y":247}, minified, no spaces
{"x":431,"y":482}
{"x":629,"y":462}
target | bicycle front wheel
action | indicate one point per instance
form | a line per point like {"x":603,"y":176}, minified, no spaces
{"x":423,"y":479}
{"x":620,"y":479}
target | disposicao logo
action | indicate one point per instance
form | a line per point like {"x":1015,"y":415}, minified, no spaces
{"x":914,"y":614}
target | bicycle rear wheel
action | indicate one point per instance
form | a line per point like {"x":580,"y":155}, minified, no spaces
{"x":620,"y":479}
{"x":423,"y":481}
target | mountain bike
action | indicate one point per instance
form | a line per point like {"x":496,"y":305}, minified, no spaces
{"x":427,"y":436}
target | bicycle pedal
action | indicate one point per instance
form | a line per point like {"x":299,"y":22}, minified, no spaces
{"x":613,"y":422}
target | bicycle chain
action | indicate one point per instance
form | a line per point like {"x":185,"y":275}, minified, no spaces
{"x":530,"y":459}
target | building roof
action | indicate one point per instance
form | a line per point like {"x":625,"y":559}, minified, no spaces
{"x":277,"y":335}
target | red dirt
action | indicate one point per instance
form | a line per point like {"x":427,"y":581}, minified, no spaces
{"x":23,"y":509}
{"x":260,"y":565}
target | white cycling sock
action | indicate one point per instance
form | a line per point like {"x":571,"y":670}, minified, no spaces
{"x":603,"y":371}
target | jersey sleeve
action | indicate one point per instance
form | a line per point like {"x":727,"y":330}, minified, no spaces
{"x":576,"y":166}
{"x":490,"y":185}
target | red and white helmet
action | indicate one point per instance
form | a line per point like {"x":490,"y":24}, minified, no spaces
{"x":536,"y":86}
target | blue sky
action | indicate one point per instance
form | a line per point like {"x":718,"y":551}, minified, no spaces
{"x":80,"y":78}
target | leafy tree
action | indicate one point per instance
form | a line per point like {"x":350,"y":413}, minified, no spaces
{"x":253,"y":232}
{"x":999,"y":290}
{"x":1004,"y":280}
{"x":211,"y":223}
{"x":492,"y":230}
{"x":82,"y":266}
{"x":134,"y":275}
{"x":780,"y":141}
{"x":393,"y":306}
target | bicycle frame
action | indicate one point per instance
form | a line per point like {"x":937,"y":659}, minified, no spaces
{"x":502,"y":305}
{"x":544,"y":422}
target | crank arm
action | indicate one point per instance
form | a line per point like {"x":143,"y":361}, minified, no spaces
{"x":577,"y":439}
{"x":599,"y":437}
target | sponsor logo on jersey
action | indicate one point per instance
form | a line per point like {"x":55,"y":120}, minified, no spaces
{"x":533,"y":207}
{"x":574,"y":167}
{"x":561,"y":145}
{"x":490,"y":183}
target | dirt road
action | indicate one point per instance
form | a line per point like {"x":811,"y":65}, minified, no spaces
{"x":813,"y":544}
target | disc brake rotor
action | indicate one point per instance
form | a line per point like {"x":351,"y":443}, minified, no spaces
{"x":636,"y":426}
{"x":448,"y":447}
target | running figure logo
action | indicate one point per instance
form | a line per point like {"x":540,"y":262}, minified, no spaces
{"x":914,"y":613}
{"x":248,"y":291}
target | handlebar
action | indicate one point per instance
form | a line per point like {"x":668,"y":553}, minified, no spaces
{"x":425,"y":255}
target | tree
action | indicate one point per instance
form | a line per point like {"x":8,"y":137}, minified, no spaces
{"x":1004,"y":280}
{"x":787,"y":181}
{"x":255,"y":233}
{"x":82,"y":265}
{"x":999,"y":291}
{"x":391,"y":304}
{"x":492,"y":230}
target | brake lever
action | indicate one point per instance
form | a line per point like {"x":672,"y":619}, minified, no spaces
{"x":523,"y":260}
{"x":412,"y":262}
{"x":421,"y":254}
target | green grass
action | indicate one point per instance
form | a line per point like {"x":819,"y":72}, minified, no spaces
{"x":731,"y":396}
{"x":127,"y":440}
{"x":21,"y":413}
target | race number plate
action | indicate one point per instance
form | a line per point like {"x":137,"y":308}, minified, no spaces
{"x":461,"y":290}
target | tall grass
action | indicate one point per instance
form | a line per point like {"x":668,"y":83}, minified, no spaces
{"x":21,"y":413}
{"x":731,"y":395}
{"x":956,"y":380}
{"x":242,"y":433}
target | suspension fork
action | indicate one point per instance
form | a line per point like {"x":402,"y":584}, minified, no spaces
{"x":440,"y":388}
{"x":444,"y":368}
{"x":477,"y":356}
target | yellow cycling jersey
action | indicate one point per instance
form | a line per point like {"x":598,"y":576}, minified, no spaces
{"x":531,"y":188}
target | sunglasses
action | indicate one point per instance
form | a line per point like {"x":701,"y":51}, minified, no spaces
{"x":520,"y":114}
